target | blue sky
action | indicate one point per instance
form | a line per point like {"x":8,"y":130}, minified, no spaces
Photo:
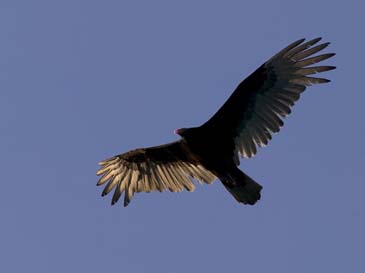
{"x":84,"y":80}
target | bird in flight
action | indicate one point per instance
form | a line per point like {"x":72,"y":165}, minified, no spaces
{"x":247,"y":120}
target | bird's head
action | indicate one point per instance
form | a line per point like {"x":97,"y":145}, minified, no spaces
{"x":181,"y":132}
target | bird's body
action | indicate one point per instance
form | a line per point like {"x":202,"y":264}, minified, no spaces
{"x":246,"y":121}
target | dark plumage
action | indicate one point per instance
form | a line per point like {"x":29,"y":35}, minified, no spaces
{"x":246,"y":121}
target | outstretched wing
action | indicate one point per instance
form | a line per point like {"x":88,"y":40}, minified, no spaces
{"x":255,"y":109}
{"x":168,"y":166}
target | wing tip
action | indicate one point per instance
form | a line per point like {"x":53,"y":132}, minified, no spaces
{"x":108,"y":161}
{"x":319,"y":80}
{"x":100,"y":171}
{"x":114,"y":200}
{"x":126,"y":202}
{"x":326,"y":44}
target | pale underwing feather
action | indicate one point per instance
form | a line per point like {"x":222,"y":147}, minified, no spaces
{"x":150,"y":169}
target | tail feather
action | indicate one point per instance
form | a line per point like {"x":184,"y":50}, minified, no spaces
{"x":243,"y":188}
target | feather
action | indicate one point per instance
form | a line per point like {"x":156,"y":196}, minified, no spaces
{"x":131,"y":189}
{"x":314,"y":60}
{"x":314,"y":70}
{"x":106,"y":177}
{"x":309,"y":81}
{"x":295,"y":88}
{"x":174,"y":182}
{"x":304,"y":54}
{"x":155,"y":179}
{"x":122,"y":185}
{"x":185,"y":180}
{"x":163,"y":178}
{"x":245,"y":146}
{"x":109,"y":161}
{"x":258,"y":138}
{"x":302,"y":47}
{"x":287,"y":49}
{"x":111,"y":184}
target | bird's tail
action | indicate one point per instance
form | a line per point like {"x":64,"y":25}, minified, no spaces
{"x":243,"y":188}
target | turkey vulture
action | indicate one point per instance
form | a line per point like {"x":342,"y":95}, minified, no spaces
{"x":246,"y":121}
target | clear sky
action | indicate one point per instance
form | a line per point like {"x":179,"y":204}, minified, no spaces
{"x":83,"y":80}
